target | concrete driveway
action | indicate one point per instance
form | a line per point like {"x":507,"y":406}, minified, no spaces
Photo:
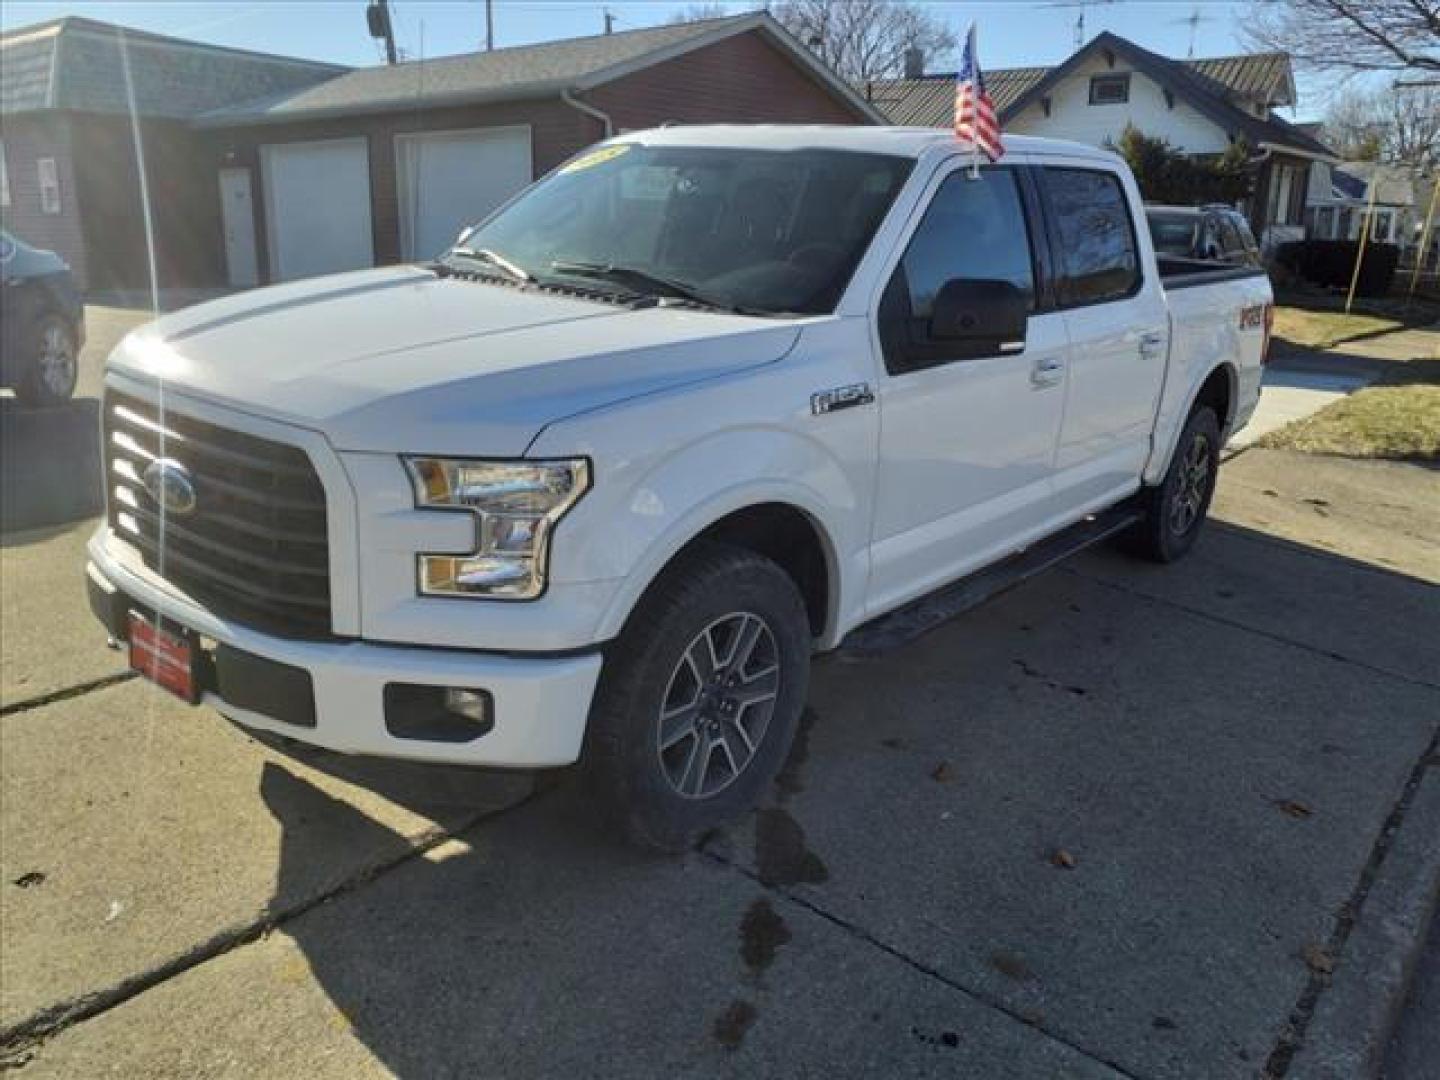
{"x":1123,"y":821}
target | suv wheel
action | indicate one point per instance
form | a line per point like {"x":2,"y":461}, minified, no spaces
{"x":54,"y":367}
{"x":700,"y":697}
{"x":1175,"y":510}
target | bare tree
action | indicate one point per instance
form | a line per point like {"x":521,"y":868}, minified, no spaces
{"x":1352,"y":35}
{"x":865,"y":39}
{"x":1398,"y":124}
{"x":1355,"y":125}
{"x":701,"y":12}
{"x":1414,"y":135}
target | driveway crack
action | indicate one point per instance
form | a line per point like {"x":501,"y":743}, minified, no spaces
{"x":1236,"y":624}
{"x":1293,"y":1035}
{"x":68,"y":692}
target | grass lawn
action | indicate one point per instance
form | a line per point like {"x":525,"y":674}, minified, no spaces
{"x":1396,"y":418}
{"x":1313,"y":329}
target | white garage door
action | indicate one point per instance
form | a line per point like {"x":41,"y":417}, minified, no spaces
{"x":450,"y":179}
{"x":317,"y":207}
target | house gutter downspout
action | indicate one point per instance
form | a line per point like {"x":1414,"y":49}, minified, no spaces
{"x":589,"y":110}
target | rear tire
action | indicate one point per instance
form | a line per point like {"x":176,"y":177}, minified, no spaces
{"x":699,"y":699}
{"x":1176,"y":509}
{"x":53,"y":365}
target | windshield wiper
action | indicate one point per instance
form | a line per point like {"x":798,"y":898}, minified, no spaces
{"x":643,"y":279}
{"x":494,"y":258}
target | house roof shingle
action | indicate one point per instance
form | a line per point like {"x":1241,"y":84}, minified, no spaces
{"x":75,"y":63}
{"x":517,"y":73}
{"x":1218,"y":86}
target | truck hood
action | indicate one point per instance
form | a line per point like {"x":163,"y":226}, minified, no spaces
{"x":400,"y":360}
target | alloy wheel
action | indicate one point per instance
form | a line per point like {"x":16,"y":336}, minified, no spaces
{"x":1193,"y":486}
{"x":718,"y":705}
{"x":57,"y":361}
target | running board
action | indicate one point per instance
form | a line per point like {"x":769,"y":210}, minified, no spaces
{"x":919,"y":617}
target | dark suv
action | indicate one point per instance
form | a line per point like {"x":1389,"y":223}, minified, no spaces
{"x":1213,"y":233}
{"x":42,"y":324}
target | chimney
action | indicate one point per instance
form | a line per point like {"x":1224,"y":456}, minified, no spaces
{"x":914,"y":62}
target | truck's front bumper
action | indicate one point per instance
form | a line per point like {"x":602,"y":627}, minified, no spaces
{"x":538,"y":704}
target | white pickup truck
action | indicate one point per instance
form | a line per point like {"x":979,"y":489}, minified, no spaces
{"x":598,"y":482}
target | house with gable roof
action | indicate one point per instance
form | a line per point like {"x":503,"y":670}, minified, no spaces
{"x":1201,"y":107}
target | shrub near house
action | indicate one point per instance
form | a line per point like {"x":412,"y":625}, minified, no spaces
{"x":1332,"y":263}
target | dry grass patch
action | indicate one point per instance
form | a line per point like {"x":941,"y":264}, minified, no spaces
{"x":1326,"y":329}
{"x":1398,"y":419}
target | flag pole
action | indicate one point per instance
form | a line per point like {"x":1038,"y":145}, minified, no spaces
{"x":974,"y":142}
{"x":1364,"y":236}
{"x":1424,"y":242}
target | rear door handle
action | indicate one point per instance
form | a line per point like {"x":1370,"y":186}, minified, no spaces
{"x":1047,"y":371}
{"x":1151,"y":345}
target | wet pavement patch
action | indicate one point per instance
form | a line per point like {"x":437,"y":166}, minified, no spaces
{"x":948,"y":1039}
{"x":788,"y":781}
{"x":781,"y":855}
{"x":762,"y":933}
{"x":731,"y":1025}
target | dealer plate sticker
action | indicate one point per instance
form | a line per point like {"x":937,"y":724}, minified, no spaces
{"x":164,"y":658}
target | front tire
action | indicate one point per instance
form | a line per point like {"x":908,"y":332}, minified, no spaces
{"x":54,"y":365}
{"x":700,"y":697}
{"x":1176,"y":509}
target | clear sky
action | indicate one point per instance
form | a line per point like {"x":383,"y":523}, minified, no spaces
{"x":1012,"y":34}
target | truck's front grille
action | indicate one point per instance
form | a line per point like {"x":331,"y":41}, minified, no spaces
{"x":253,"y":546}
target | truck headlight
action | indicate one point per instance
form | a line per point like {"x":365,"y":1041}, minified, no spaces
{"x":516,"y":504}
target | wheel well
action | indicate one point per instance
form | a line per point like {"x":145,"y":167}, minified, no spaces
{"x":1217,"y":392}
{"x":789,"y":538}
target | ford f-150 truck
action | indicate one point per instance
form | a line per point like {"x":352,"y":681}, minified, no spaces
{"x":598,"y":482}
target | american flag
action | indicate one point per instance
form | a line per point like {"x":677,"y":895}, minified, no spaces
{"x":975,"y":121}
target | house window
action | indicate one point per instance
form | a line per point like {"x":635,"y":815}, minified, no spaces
{"x":49,"y":185}
{"x":1380,"y":227}
{"x":4,"y":177}
{"x":1110,"y":89}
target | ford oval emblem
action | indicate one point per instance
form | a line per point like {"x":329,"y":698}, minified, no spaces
{"x":169,"y":484}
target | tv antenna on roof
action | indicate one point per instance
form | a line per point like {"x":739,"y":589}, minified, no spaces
{"x":1193,"y":20}
{"x":1080,"y":21}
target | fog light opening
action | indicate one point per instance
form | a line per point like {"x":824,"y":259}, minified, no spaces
{"x":450,"y":714}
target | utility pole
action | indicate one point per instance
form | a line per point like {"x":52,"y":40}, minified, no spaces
{"x":610,"y":21}
{"x":489,"y":25}
{"x":377,"y":18}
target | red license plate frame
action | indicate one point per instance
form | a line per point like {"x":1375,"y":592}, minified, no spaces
{"x":165,"y":657}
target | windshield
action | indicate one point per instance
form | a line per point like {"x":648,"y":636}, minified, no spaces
{"x":1173,"y":234}
{"x":767,"y":231}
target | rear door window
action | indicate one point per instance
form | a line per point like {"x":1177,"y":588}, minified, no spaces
{"x":1095,"y":235}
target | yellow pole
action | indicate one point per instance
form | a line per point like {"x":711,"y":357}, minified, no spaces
{"x":1364,"y":236}
{"x":1424,"y":240}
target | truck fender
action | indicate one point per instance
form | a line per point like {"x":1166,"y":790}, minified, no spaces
{"x":1169,"y":425}
{"x":687,"y":492}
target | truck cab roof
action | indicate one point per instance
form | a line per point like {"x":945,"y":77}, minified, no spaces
{"x":913,"y":142}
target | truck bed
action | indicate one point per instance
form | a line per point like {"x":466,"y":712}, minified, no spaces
{"x":1178,"y":272}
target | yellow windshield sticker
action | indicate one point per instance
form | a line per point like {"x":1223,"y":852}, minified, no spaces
{"x":597,"y":157}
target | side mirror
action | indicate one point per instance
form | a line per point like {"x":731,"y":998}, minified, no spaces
{"x":983,"y":316}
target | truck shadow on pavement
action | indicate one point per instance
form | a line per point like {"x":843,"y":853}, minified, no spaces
{"x":50,"y":471}
{"x":1109,"y":820}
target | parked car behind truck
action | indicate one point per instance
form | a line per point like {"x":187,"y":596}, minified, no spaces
{"x":598,"y":483}
{"x":42,"y":324}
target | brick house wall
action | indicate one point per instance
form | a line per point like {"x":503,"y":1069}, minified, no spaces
{"x":100,"y":230}
{"x":26,"y":140}
{"x":184,"y":200}
{"x":743,"y":79}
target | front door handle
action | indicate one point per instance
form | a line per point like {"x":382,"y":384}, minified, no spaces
{"x":1047,"y":371}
